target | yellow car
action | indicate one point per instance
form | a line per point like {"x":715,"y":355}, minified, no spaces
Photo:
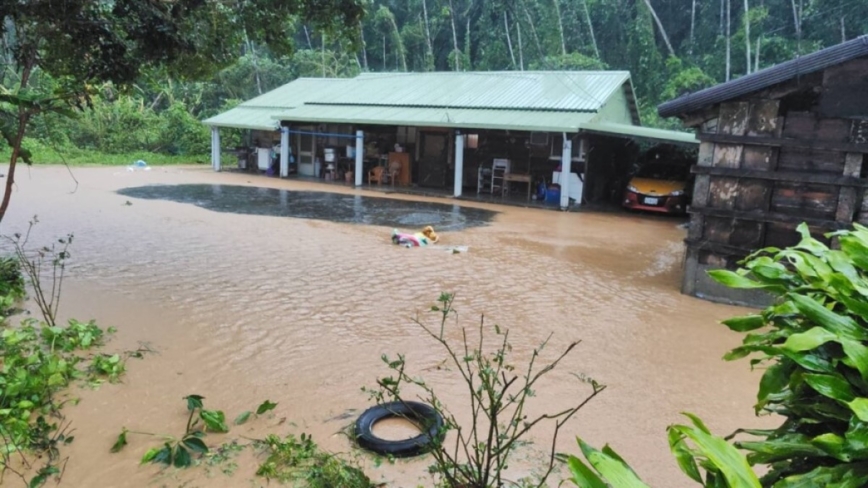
{"x":659,"y":187}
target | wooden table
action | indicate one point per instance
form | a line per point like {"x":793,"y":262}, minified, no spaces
{"x":516,"y":178}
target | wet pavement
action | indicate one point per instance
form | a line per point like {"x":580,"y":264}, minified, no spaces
{"x":317,"y":205}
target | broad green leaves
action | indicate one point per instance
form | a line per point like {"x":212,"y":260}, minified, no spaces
{"x":611,"y":470}
{"x":814,"y":344}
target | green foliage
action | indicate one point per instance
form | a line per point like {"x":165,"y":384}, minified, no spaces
{"x":500,"y":395}
{"x":611,"y":470}
{"x":812,"y":344}
{"x":723,"y":464}
{"x":11,"y":285}
{"x":299,"y":461}
{"x":39,"y":362}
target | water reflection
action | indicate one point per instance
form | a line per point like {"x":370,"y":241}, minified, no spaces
{"x":355,"y":209}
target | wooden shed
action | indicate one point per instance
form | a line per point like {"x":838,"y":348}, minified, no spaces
{"x":779,"y":147}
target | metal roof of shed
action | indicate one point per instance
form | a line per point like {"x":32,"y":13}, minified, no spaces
{"x":765,"y":78}
{"x":545,"y":101}
{"x":574,"y":91}
{"x":525,"y":120}
{"x":257,"y":113}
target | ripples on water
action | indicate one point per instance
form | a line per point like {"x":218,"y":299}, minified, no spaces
{"x":299,"y":310}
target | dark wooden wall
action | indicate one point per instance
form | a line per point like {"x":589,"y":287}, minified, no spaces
{"x":771,"y":161}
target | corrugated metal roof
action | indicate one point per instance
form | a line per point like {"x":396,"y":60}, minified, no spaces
{"x":529,"y":100}
{"x":439,"y":117}
{"x":641,"y":132}
{"x":241,"y":117}
{"x":521,"y":90}
{"x":257,"y":113}
{"x":765,"y":78}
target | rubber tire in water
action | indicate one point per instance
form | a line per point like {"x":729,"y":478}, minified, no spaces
{"x":424,"y":416}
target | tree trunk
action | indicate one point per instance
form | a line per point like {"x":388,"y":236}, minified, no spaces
{"x":747,"y":34}
{"x":364,"y":46}
{"x":728,"y":39}
{"x":560,"y":26}
{"x":758,"y":44}
{"x":23,"y":119}
{"x":252,"y":51}
{"x":660,"y":26}
{"x":401,"y":43}
{"x":307,"y":36}
{"x":796,"y":20}
{"x":429,"y":61}
{"x":455,"y":51}
{"x":843,"y":30}
{"x":692,"y":26}
{"x":322,"y":49}
{"x":533,"y":31}
{"x":591,"y":29}
{"x":508,"y":39}
{"x":520,"y":48}
{"x":385,"y":59}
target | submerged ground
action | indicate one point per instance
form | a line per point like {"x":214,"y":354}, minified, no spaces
{"x":243,"y":303}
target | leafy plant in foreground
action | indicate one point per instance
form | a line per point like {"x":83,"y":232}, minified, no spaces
{"x":813,"y":342}
{"x":39,"y":362}
{"x":499,"y":396}
{"x":179,"y":451}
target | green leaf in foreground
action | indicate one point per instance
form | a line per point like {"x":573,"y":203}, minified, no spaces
{"x":194,"y":401}
{"x":265,"y":407}
{"x":614,"y":471}
{"x":215,"y":420}
{"x":244,"y":417}
{"x":121,"y":441}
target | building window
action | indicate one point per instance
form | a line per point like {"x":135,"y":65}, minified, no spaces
{"x":472,"y":141}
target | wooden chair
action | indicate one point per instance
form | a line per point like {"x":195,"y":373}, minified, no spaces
{"x":376,"y":174}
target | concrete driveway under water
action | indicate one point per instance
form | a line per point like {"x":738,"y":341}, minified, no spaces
{"x":243,"y":306}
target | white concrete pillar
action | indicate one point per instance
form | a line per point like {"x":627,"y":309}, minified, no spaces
{"x":566,"y":170}
{"x":459,"y":163}
{"x":360,"y":156}
{"x":215,"y":148}
{"x":284,"y":152}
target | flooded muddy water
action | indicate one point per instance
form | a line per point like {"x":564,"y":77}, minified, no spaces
{"x":247,"y":304}
{"x":317,"y":205}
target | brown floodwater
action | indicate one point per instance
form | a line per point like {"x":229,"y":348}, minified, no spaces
{"x":242,"y":306}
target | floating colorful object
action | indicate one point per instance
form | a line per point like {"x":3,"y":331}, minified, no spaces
{"x":419,"y":239}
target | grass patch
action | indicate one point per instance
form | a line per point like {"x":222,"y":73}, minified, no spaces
{"x":45,"y":154}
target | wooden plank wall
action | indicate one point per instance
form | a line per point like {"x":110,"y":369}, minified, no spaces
{"x":761,"y":172}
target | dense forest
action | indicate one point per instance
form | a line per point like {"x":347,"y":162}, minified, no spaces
{"x":670,"y":47}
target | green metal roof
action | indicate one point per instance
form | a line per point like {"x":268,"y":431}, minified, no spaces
{"x":640,"y":132}
{"x":574,"y":91}
{"x":547,"y":101}
{"x":439,"y":117}
{"x":257,"y":113}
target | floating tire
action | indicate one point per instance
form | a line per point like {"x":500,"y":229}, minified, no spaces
{"x":423,"y":416}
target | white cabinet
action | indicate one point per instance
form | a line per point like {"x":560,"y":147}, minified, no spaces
{"x":576,"y":185}
{"x":263,"y":158}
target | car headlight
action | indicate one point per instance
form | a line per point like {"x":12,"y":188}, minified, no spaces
{"x":677,"y":193}
{"x":632,"y":188}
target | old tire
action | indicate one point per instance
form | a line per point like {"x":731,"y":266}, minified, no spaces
{"x":424,"y":416}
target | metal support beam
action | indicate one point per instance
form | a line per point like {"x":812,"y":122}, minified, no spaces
{"x":360,"y":154}
{"x":215,"y":148}
{"x":566,"y":170}
{"x":284,"y":152}
{"x":459,"y":163}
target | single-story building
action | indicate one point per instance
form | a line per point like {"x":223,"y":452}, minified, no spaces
{"x":779,"y":147}
{"x":483,"y":132}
